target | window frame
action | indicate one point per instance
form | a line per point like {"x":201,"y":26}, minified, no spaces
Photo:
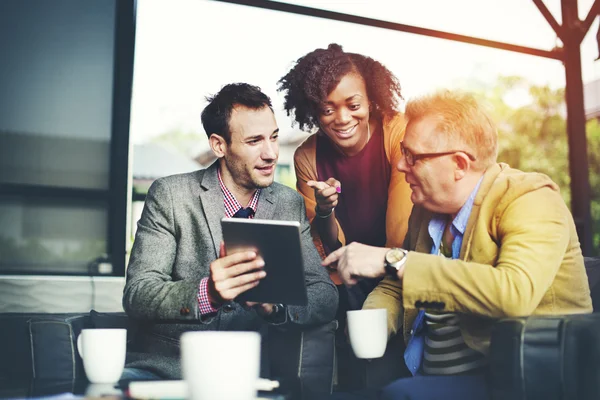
{"x":116,"y":196}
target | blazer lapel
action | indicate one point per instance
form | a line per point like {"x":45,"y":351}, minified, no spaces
{"x":266,"y":204}
{"x":488,"y":180}
{"x":211,"y":200}
{"x":424,"y":242}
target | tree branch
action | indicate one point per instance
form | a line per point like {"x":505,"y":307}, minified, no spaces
{"x":550,"y":18}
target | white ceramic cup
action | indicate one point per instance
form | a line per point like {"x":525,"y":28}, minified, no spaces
{"x":368,"y":332}
{"x":103,"y":353}
{"x":221,"y":365}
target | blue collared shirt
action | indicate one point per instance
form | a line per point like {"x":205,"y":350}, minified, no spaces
{"x":459,"y":224}
{"x":413,"y":355}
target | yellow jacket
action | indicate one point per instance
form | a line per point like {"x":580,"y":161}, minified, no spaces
{"x":399,"y":205}
{"x":520,"y":256}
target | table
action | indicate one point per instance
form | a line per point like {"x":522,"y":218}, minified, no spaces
{"x":82,"y":389}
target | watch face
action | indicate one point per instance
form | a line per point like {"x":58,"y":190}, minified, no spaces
{"x":393,"y":256}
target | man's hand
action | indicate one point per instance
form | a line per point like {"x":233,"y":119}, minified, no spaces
{"x":232,"y":275}
{"x":357,"y":260}
{"x":326,"y":194}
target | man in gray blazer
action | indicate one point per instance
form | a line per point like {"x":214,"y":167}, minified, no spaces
{"x":179,"y":278}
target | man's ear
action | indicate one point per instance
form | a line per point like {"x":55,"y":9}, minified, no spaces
{"x":218,"y":145}
{"x":463,"y":165}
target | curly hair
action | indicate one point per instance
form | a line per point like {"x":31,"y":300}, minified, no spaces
{"x":316,"y":74}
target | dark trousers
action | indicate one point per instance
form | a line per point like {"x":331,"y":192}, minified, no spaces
{"x":356,"y":374}
{"x":461,"y":387}
{"x":350,"y":369}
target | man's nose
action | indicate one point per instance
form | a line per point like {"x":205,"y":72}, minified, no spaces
{"x":402,"y":165}
{"x":270,"y":150}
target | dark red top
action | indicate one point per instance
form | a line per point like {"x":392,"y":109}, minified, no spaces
{"x":365,"y":178}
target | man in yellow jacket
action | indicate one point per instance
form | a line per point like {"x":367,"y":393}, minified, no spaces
{"x":484,"y":242}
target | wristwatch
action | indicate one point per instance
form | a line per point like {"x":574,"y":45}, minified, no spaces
{"x":394,"y":259}
{"x":277,"y":308}
{"x":278,"y":315}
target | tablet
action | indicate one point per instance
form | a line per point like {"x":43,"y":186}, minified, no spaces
{"x":278,"y":243}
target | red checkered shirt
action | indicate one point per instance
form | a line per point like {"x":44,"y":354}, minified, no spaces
{"x":231,"y":207}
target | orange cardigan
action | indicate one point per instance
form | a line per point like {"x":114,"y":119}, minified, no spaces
{"x":399,"y":204}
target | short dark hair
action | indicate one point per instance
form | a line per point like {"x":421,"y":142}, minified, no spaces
{"x":216,"y":115}
{"x":317,"y":73}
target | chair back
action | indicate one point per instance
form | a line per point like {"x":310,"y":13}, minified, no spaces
{"x":592,"y":268}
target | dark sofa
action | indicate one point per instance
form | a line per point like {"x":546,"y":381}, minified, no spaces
{"x":42,"y":346}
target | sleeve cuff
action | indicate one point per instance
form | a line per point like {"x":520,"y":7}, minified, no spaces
{"x":203,"y":301}
{"x":279,"y":317}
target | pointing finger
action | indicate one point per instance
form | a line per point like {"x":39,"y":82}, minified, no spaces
{"x":317,"y":185}
{"x":333,"y":257}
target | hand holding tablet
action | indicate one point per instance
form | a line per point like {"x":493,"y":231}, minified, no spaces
{"x":231,"y":275}
{"x":278,"y":244}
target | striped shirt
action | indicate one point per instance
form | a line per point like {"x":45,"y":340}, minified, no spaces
{"x":446,"y":352}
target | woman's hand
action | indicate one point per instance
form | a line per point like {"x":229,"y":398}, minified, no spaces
{"x":326,"y":195}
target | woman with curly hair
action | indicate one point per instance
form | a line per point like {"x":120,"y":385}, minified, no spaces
{"x":346,"y":170}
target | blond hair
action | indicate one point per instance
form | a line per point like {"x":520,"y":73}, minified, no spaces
{"x":462,"y":122}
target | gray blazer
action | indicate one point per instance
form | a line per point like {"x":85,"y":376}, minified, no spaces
{"x":178,"y":237}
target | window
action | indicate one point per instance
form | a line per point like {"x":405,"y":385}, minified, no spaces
{"x":66,"y":67}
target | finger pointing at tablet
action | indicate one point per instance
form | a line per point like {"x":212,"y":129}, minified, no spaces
{"x":231,"y":275}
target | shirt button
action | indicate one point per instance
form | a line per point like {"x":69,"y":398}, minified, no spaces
{"x":227,"y":308}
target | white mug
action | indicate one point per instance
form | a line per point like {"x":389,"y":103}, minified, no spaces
{"x":103,"y":353}
{"x":221,"y":365}
{"x":368,"y":332}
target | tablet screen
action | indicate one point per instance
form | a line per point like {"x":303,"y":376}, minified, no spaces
{"x":278,"y":243}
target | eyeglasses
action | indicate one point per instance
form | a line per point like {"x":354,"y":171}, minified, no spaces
{"x":411,"y":158}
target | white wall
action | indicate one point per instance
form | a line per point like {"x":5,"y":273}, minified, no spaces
{"x":60,"y":294}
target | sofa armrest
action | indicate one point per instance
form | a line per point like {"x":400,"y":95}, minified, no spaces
{"x":31,"y":340}
{"x":43,"y":346}
{"x":54,"y":352}
{"x":549,"y":357}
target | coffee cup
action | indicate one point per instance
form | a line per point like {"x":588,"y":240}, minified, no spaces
{"x":368,"y":332}
{"x":103,"y":353}
{"x":221,"y":365}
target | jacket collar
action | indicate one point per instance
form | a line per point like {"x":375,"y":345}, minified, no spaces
{"x":211,"y":201}
{"x":424,"y":241}
{"x":489,"y":177}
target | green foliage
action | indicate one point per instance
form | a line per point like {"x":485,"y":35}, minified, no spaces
{"x":593,"y":137}
{"x":533,"y":137}
{"x":285,"y":175}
